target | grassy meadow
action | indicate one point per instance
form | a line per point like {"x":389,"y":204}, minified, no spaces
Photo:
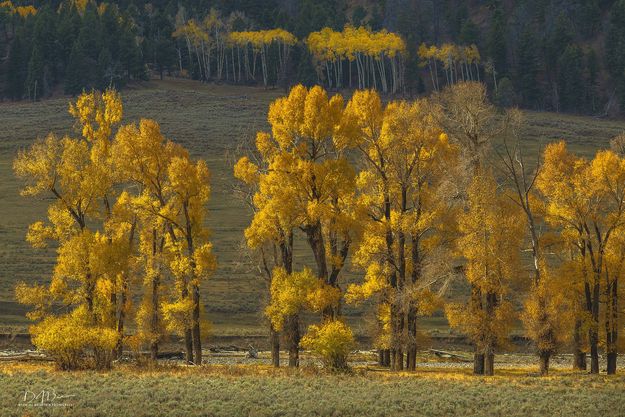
{"x":212,"y":122}
{"x":213,"y":391}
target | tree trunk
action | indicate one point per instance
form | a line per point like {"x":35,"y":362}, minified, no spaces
{"x":593,"y":338}
{"x":579,"y":360}
{"x":315,"y":240}
{"x":397,"y":354}
{"x":478,"y":363}
{"x":195,"y":331}
{"x":593,"y":333}
{"x":154,"y":323}
{"x":121,"y":317}
{"x":293,"y":337}
{"x":387,"y":357}
{"x":579,"y":356}
{"x":413,"y":361}
{"x":399,"y":362}
{"x":411,"y":350}
{"x":188,"y":338}
{"x":489,"y":363}
{"x":611,"y":357}
{"x":489,"y":352}
{"x":275,"y":346}
{"x":188,"y":345}
{"x":478,"y":358}
{"x":544,"y":357}
{"x":612,"y":327}
{"x":154,"y":350}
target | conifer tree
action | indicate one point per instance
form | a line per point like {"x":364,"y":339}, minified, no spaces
{"x":35,"y":78}
{"x":528,"y":67}
{"x":496,"y":43}
{"x":17,"y":67}
{"x":571,"y":78}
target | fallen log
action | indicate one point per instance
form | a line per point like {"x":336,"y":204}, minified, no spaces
{"x":162,"y":355}
{"x":449,"y":355}
{"x":25,"y":357}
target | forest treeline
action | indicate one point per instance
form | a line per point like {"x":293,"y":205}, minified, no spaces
{"x":412,"y":194}
{"x":558,"y":55}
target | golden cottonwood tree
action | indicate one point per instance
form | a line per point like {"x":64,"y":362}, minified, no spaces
{"x":270,"y":234}
{"x":471,"y":121}
{"x":193,"y":258}
{"x":305,"y":183}
{"x":126,"y":204}
{"x":142,"y":157}
{"x":491,"y":237}
{"x":403,"y":198}
{"x":585,"y":202}
{"x":547,"y":306}
{"x":76,"y":174}
{"x":170,"y":204}
{"x":307,"y":160}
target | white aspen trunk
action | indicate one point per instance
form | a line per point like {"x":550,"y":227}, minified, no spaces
{"x":234,"y":72}
{"x":328,"y":74}
{"x":394,"y":74}
{"x":239,"y":64}
{"x":382,"y":67}
{"x":350,"y":75}
{"x":254,"y":59}
{"x":208,"y":63}
{"x":199,"y":62}
{"x":375,"y":79}
{"x":263,"y":60}
{"x":359,"y":71}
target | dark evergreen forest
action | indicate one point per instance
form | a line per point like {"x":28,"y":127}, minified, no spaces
{"x":553,"y":55}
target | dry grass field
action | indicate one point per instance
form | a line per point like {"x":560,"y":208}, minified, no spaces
{"x":211,"y":121}
{"x":256,"y":391}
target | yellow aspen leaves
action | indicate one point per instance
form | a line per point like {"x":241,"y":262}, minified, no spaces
{"x":378,"y":57}
{"x":461,"y":63}
{"x":21,"y":11}
{"x":225,"y":53}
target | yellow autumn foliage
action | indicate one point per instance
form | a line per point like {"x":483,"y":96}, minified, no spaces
{"x":291,"y":294}
{"x":332,"y":341}
{"x":128,"y":208}
{"x":69,"y":337}
{"x":262,"y":38}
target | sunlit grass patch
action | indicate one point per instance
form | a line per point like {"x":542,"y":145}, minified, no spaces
{"x":263,"y":391}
